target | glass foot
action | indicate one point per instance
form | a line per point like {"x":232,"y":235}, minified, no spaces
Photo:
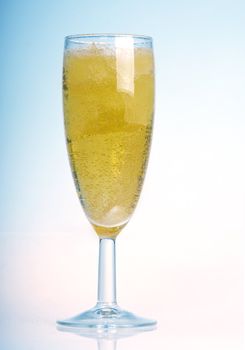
{"x":107,"y":317}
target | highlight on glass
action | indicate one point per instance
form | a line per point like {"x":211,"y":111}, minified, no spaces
{"x":108,"y":94}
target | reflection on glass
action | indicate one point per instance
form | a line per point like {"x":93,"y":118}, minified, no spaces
{"x":108,"y":107}
{"x":107,"y":344}
{"x":106,"y":338}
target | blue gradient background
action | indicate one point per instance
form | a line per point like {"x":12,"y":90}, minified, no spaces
{"x":188,"y":275}
{"x":199,"y":49}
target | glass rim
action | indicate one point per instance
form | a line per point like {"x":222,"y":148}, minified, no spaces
{"x":73,"y":37}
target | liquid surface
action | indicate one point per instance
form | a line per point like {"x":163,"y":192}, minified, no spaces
{"x":108,"y":106}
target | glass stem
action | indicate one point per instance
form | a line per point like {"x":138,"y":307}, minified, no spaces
{"x":107,"y":273}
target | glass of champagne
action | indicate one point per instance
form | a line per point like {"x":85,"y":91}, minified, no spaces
{"x":108,"y":92}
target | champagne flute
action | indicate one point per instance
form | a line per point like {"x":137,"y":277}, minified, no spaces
{"x":108,"y":92}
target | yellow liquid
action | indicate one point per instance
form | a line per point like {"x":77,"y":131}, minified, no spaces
{"x":108,"y":106}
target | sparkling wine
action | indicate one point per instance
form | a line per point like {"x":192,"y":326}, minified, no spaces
{"x":108,"y":107}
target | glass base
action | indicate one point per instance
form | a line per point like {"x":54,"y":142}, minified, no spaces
{"x":104,"y":317}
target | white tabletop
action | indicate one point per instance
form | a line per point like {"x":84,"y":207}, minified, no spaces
{"x":50,"y":276}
